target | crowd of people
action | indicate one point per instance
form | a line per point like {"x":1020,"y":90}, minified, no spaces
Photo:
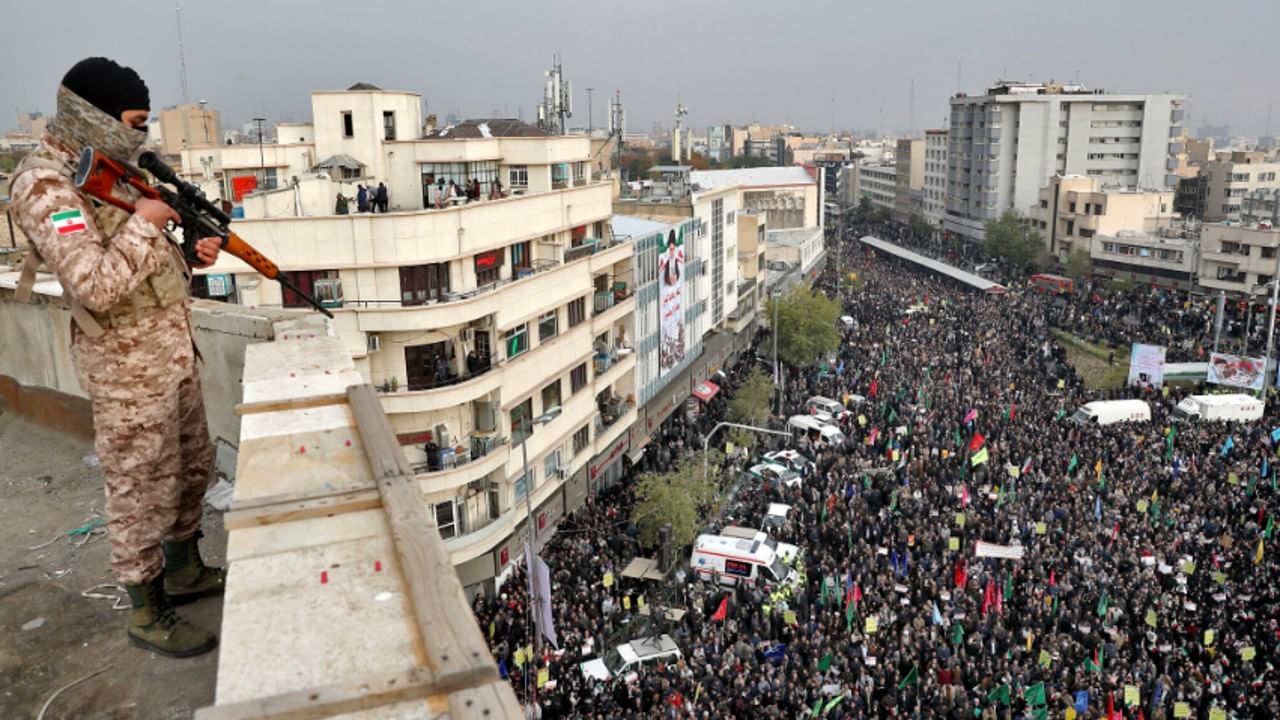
{"x":1126,"y":570}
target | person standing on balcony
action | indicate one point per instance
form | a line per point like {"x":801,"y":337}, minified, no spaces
{"x":132,"y":346}
{"x":341,"y":206}
{"x":362,"y":199}
{"x":382,"y":197}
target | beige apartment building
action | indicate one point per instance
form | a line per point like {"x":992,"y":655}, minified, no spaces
{"x":878,"y":182}
{"x":1169,"y":258}
{"x":935,"y":177}
{"x":490,"y":326}
{"x":1238,"y":259}
{"x":188,"y":126}
{"x":1243,"y":185}
{"x":909,"y":179}
{"x":1072,"y":209}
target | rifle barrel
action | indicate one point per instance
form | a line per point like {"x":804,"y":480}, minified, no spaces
{"x":284,"y":281}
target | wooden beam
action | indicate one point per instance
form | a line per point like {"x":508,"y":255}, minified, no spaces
{"x":253,"y":408}
{"x":453,"y":640}
{"x":325,"y":505}
{"x":366,"y":694}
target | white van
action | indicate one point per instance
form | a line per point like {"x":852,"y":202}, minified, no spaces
{"x":823,"y":404}
{"x":732,"y":559}
{"x":1109,"y":412}
{"x":630,"y":656}
{"x":786,"y":551}
{"x":814,"y":429}
{"x":1219,"y":407}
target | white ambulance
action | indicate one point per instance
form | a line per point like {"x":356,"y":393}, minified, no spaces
{"x":731,"y":559}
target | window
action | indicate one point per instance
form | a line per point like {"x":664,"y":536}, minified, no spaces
{"x":427,"y":366}
{"x":522,"y":483}
{"x":1086,"y":233}
{"x":388,"y":125}
{"x":559,"y":176}
{"x":488,"y":267}
{"x":1071,"y":207}
{"x":348,"y":124}
{"x":518,"y":176}
{"x":446,"y":519}
{"x":581,"y":439}
{"x":551,"y":465}
{"x":579,"y":169}
{"x":1044,"y":203}
{"x":577,"y":311}
{"x":1071,"y":227}
{"x":521,"y":421}
{"x":521,"y":257}
{"x":517,"y":340}
{"x":420,"y":284}
{"x":551,"y":395}
{"x":495,"y":502}
{"x":1268,"y":253}
{"x":578,"y":378}
{"x":548,"y":326}
{"x":305,"y":280}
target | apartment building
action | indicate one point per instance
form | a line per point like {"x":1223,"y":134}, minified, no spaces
{"x":1167,"y":258}
{"x":1242,"y":185}
{"x":1238,"y":259}
{"x":491,"y":326}
{"x":1004,"y":146}
{"x":1072,"y":209}
{"x":935,"y":176}
{"x":188,"y":126}
{"x":909,"y":179}
{"x":878,"y":182}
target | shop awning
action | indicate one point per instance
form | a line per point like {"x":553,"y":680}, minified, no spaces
{"x":642,"y":569}
{"x":705,"y":390}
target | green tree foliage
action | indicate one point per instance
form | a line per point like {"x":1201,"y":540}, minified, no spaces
{"x":1010,"y":238}
{"x":677,"y":497}
{"x":919,"y":227}
{"x":750,"y":405}
{"x":881,"y":215}
{"x":1078,"y":263}
{"x":864,"y":207}
{"x":806,"y":325}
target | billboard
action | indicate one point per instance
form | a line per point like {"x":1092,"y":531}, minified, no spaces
{"x":1146,"y":365}
{"x":671,"y":345}
{"x":1236,"y":371}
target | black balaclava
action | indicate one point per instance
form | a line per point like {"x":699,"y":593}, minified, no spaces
{"x":91,"y":99}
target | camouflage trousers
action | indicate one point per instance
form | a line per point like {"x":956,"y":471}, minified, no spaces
{"x":157,"y":462}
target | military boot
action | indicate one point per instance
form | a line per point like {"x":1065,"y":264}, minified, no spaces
{"x":186,"y":577}
{"x":154,"y":626}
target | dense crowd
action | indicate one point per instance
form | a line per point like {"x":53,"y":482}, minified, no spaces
{"x":1146,"y":582}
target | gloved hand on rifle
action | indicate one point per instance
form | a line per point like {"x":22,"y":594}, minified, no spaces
{"x":160,"y":214}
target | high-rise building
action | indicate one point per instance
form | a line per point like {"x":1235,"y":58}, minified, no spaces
{"x":493,"y":324}
{"x":1005,"y":144}
{"x":935,"y":177}
{"x":1242,"y":183}
{"x":909,"y":179}
{"x":878,"y":182}
{"x":188,"y":126}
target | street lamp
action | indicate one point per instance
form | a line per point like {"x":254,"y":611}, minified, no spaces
{"x":550,"y":414}
{"x":779,"y":381}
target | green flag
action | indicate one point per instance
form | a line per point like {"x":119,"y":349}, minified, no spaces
{"x":957,"y":436}
{"x":1252,"y":479}
{"x":1061,"y":412}
{"x":912,"y":678}
{"x":1102,"y":480}
{"x":1008,"y":587}
{"x":893,"y":415}
{"x":1102,"y":604}
{"x":1091,"y":666}
{"x":817,"y":708}
{"x":1271,"y":521}
{"x":825,"y":663}
{"x":866,"y":481}
{"x":831,"y":703}
{"x":1035,"y":695}
{"x":1000,"y":695}
{"x":1071,"y":466}
{"x":1040,"y":714}
{"x":849,"y":614}
{"x":957,"y":633}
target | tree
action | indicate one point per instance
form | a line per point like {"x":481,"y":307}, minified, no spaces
{"x":864,"y":207}
{"x":806,"y":325}
{"x":750,"y":405}
{"x":919,"y":227}
{"x":1010,"y":238}
{"x":675,"y":497}
{"x":1078,"y":264}
{"x":881,"y":215}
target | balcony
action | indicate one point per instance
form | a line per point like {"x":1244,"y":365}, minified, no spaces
{"x":610,"y":425}
{"x":610,"y":369}
{"x":479,"y":456}
{"x":443,"y":394}
{"x":746,"y":286}
{"x":617,"y":308}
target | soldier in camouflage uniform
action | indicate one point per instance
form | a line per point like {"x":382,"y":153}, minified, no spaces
{"x":133,"y":349}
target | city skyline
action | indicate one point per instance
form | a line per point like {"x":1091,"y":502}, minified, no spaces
{"x":811,"y":72}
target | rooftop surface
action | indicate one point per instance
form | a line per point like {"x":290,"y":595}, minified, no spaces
{"x":752,"y":177}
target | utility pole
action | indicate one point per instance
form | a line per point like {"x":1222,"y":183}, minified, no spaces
{"x":262,"y":156}
{"x":1271,"y":329}
{"x":590,"y":105}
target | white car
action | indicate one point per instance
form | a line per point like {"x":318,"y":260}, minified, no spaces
{"x":775,"y":473}
{"x":776,"y":516}
{"x":628,"y":657}
{"x":790,"y":459}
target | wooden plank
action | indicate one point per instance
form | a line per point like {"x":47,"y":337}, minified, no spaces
{"x":455,"y":643}
{"x":365,"y":694}
{"x":243,"y":409}
{"x":327,"y":505}
{"x":261,"y":540}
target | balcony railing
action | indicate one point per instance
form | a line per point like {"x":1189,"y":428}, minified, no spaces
{"x":445,"y":378}
{"x":469,"y":449}
{"x":610,"y":413}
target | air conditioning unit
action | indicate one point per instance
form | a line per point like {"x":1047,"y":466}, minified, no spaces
{"x":372,"y":342}
{"x":441,"y":436}
{"x":465,"y":335}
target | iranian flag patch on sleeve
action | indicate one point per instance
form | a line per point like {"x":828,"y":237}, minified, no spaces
{"x":68,"y":221}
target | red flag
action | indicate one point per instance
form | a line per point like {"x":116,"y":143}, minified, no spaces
{"x":1115,"y":530}
{"x":964,"y":495}
{"x":1013,"y":410}
{"x":988,"y":596}
{"x":976,"y":441}
{"x":1216,"y":566}
{"x":875,"y":384}
{"x":857,"y":595}
{"x":723,"y":611}
{"x":1111,"y":707}
{"x":962,"y":575}
{"x":1052,"y":578}
{"x":831,"y":502}
{"x":999,"y":600}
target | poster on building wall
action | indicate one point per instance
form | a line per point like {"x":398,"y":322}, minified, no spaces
{"x":1146,"y":365}
{"x":671,"y":300}
{"x":1236,"y":371}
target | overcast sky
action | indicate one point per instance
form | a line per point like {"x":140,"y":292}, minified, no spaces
{"x":813,"y":63}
